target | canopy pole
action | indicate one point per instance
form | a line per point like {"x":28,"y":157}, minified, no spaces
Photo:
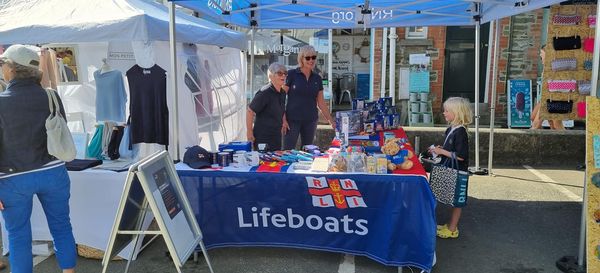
{"x":488,"y":68}
{"x":493,"y":98}
{"x":173,"y":82}
{"x":477,"y":170}
{"x":371,"y":65}
{"x":330,"y":68}
{"x":392,"y":77}
{"x":383,"y":62}
{"x":596,"y":60}
{"x":252,"y":61}
{"x":477,"y":56}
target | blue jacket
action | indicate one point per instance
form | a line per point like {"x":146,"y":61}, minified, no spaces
{"x":23,"y":112}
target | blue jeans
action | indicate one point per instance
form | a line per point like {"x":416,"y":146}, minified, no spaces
{"x":52,"y":186}
{"x":306,"y":129}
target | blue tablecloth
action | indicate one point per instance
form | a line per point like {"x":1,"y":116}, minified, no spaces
{"x":389,"y":218}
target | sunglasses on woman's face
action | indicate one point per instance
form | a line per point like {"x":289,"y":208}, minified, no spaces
{"x":308,"y":58}
{"x":281,"y":73}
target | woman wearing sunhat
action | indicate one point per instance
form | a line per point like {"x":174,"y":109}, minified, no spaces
{"x":26,"y":168}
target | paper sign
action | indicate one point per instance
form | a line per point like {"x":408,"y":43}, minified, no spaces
{"x":421,"y":59}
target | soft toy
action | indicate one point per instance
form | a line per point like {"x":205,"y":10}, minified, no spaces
{"x":398,"y":157}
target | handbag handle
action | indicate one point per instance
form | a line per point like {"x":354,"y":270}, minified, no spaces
{"x":53,"y":103}
{"x":453,"y":162}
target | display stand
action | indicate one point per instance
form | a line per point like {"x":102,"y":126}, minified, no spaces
{"x":580,"y":73}
{"x":419,"y":105}
{"x":591,"y":205}
{"x":153,"y":185}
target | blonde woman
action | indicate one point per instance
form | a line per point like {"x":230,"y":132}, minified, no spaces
{"x":305,"y":98}
{"x":457,"y":112}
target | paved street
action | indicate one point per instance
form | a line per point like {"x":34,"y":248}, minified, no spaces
{"x":520,"y":221}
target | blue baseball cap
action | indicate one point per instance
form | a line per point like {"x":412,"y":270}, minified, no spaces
{"x":197,"y":157}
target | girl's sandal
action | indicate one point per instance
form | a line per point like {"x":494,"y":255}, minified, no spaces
{"x":441,"y":226}
{"x":445,"y":233}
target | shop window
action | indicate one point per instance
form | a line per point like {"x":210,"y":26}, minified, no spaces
{"x":416,"y":33}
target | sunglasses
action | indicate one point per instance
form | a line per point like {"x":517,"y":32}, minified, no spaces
{"x":281,"y":73}
{"x":308,"y":58}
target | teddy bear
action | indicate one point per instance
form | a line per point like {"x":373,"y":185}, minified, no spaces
{"x":398,"y":157}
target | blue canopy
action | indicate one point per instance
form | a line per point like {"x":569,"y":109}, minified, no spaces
{"x":324,"y":14}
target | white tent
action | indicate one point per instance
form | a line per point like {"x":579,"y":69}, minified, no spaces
{"x":80,"y":21}
{"x":128,"y":32}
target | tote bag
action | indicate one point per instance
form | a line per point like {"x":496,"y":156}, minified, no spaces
{"x":448,"y":184}
{"x":59,"y":140}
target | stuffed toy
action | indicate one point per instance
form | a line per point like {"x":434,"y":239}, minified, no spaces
{"x":398,"y":157}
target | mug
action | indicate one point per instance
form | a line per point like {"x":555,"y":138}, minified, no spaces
{"x":414,"y":117}
{"x":253,"y":158}
{"x":423,"y":107}
{"x":414,"y":107}
{"x":427,"y":118}
{"x":412,"y":97}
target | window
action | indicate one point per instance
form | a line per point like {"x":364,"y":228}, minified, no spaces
{"x":416,"y":33}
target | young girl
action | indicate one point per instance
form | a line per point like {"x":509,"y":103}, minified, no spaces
{"x":457,"y":112}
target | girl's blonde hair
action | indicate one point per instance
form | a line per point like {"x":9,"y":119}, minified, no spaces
{"x":461,"y":108}
{"x":304,"y":51}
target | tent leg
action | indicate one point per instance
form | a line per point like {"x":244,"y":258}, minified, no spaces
{"x":570,"y":264}
{"x":384,"y":53}
{"x":330,"y":69}
{"x":392,"y":77}
{"x":493,"y":98}
{"x":173,"y":76}
{"x":477,"y":169}
{"x":596,"y":58}
{"x":372,"y":64}
{"x":252,"y":60}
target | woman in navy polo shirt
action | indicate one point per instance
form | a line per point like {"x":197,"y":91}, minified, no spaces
{"x":305,"y":98}
{"x":268,"y":106}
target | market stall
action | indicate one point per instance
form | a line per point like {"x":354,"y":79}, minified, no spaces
{"x":387,"y":217}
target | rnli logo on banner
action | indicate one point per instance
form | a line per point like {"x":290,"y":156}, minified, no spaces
{"x":341,"y":193}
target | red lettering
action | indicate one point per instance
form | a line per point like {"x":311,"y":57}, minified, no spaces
{"x":322,"y":203}
{"x":348,"y":184}
{"x":317,"y":183}
{"x":355,"y":202}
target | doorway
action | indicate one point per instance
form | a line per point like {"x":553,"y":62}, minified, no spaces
{"x":459,"y":66}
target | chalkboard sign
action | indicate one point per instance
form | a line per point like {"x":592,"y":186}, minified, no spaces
{"x":153,"y":183}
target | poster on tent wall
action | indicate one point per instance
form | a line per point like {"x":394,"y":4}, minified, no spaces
{"x":592,"y":135}
{"x":519,"y":103}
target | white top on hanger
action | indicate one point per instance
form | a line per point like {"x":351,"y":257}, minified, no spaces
{"x":105,"y":67}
